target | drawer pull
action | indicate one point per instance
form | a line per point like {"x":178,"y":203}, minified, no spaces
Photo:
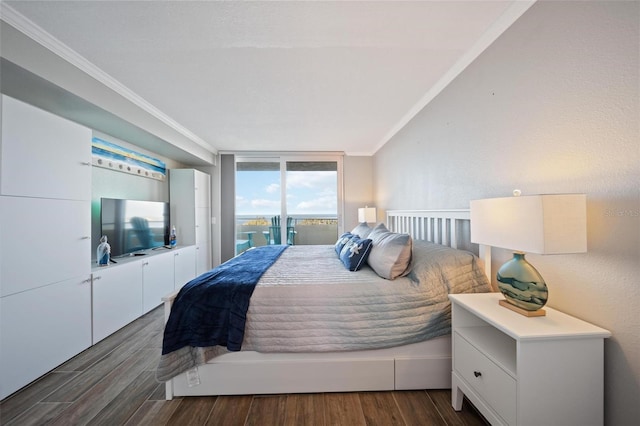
{"x":477,"y":373}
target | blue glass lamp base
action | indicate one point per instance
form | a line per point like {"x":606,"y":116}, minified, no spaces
{"x":521,"y":284}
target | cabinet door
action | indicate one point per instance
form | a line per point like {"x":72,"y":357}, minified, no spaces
{"x":117,"y":297}
{"x":42,"y":328}
{"x":190,"y":195}
{"x":42,"y":242}
{"x":202,"y":189}
{"x":185,"y":266}
{"x":203,"y":259}
{"x":182,"y":193}
{"x":43,"y":155}
{"x":203,"y":239}
{"x":157,"y":279}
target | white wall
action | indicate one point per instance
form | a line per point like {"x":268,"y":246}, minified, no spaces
{"x":550,"y":107}
{"x":358,"y":188}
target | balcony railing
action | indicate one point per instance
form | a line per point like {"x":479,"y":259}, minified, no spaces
{"x":309,"y":230}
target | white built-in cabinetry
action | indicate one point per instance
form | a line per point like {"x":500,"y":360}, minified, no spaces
{"x":43,"y":155}
{"x":163,"y":273}
{"x":45,"y":245}
{"x":135,"y":285}
{"x":184,"y":264}
{"x":190,"y":198}
{"x":53,"y":303}
{"x":117,"y":297}
{"x":157,"y":279}
{"x":43,"y":241}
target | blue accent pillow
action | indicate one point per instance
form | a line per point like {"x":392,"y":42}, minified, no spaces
{"x":342,"y":241}
{"x":354,"y":254}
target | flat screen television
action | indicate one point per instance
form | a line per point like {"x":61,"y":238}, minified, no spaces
{"x":132,"y":226}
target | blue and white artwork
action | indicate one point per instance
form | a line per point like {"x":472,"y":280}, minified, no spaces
{"x":115,"y":157}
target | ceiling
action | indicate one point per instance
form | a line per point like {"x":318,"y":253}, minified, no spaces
{"x":278,"y":76}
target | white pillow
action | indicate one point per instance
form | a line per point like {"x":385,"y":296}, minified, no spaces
{"x":379,"y":229}
{"x":390,"y":254}
{"x":362,"y":230}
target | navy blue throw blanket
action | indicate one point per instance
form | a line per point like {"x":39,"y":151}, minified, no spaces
{"x":211,"y":309}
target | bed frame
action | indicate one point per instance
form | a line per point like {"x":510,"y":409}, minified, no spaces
{"x":424,"y":365}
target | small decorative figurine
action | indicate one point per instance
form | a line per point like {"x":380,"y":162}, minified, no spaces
{"x":173,"y":238}
{"x":103,"y":252}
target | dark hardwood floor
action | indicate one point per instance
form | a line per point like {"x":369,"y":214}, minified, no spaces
{"x":113,"y":383}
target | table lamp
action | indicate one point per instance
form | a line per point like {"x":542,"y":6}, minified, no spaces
{"x":542,"y":224}
{"x":367,"y":215}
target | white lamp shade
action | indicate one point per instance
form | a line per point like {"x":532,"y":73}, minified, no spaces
{"x":543,"y":224}
{"x":367,"y":214}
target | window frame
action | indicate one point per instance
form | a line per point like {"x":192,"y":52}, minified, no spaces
{"x":283,"y":158}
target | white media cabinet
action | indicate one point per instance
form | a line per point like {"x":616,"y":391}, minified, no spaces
{"x":135,"y":285}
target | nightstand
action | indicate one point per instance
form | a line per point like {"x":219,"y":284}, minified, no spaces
{"x":526,"y":371}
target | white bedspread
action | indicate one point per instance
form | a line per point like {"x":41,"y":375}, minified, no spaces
{"x":309,"y":302}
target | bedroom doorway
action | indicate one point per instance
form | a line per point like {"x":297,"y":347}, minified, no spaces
{"x":287,"y":200}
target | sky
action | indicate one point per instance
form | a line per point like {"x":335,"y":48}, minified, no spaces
{"x":308,"y":193}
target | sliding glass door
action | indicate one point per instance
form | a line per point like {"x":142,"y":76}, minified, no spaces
{"x":287,"y":200}
{"x":311,"y":194}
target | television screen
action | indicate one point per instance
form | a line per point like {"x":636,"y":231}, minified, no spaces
{"x":132,"y":225}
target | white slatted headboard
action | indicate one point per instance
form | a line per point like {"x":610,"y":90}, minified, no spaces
{"x":445,"y":227}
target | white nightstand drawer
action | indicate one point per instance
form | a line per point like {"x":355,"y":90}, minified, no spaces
{"x":492,"y":383}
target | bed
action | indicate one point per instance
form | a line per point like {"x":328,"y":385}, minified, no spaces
{"x":339,"y":330}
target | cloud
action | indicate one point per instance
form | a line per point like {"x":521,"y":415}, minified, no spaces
{"x":308,"y":193}
{"x":273,"y":188}
{"x":310,"y":179}
{"x":241,"y":201}
{"x":318,"y":205}
{"x":265,"y":204}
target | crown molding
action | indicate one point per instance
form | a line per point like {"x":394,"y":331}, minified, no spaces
{"x":48,"y":41}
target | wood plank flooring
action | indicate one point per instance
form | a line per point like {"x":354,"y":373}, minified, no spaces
{"x":113,"y":383}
